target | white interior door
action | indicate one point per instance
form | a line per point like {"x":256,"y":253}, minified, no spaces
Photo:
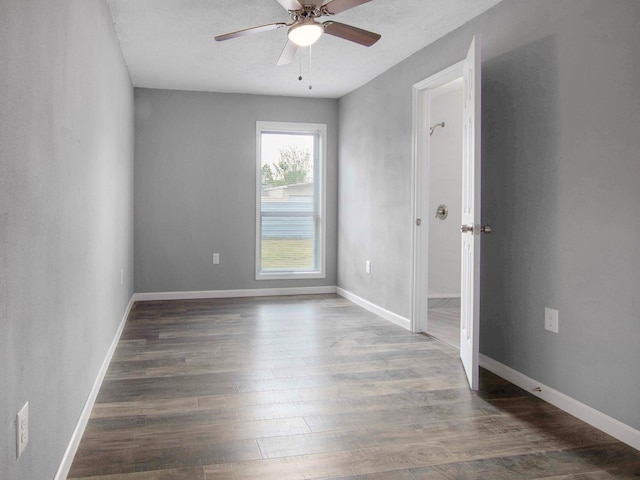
{"x":471,"y":229}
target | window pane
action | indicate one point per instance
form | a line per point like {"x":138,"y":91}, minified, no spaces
{"x":288,"y":204}
{"x":287,"y":250}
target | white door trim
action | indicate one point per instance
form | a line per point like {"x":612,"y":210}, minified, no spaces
{"x":420,"y":181}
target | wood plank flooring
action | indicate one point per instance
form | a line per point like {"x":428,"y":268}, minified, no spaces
{"x":314,"y":387}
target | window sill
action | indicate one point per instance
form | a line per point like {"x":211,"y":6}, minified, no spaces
{"x":289,"y":275}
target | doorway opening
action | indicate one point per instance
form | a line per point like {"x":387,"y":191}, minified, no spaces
{"x":445,"y":210}
{"x":434,"y":102}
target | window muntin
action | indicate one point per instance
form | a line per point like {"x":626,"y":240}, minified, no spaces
{"x":290,"y":200}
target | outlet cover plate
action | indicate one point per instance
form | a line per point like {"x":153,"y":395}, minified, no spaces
{"x":551,"y":320}
{"x":22,"y":429}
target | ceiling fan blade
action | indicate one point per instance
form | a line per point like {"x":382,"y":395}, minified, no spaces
{"x":288,"y":52}
{"x":290,"y":4}
{"x":353,"y":34}
{"x":247,"y":31}
{"x":337,"y":6}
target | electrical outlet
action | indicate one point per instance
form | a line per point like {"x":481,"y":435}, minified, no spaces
{"x":216,"y":258}
{"x":22,"y":429}
{"x":551,"y":320}
{"x":367,"y":266}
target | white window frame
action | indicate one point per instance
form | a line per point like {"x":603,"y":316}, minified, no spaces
{"x":320,"y":197}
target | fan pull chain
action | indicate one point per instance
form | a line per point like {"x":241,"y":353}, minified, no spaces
{"x":300,"y":68}
{"x":300,"y":74}
{"x":310,"y":86}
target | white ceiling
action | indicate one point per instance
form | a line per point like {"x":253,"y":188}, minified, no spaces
{"x":169,"y":44}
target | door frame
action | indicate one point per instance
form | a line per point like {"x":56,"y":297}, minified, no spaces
{"x":422,"y":92}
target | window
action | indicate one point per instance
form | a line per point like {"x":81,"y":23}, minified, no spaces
{"x":290,"y":220}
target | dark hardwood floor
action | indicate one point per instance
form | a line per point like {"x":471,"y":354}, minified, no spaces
{"x":315,"y":387}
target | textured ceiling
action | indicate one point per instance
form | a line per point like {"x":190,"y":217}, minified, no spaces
{"x":169,"y":44}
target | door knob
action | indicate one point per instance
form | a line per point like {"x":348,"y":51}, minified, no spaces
{"x":466,"y":228}
{"x":486,"y":229}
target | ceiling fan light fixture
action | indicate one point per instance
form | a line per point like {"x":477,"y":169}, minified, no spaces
{"x":305,"y":33}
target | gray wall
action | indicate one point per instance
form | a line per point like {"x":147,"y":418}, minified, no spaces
{"x":66,"y":217}
{"x":561,"y":186}
{"x":195,"y":172}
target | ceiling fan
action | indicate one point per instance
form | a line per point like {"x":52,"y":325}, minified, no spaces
{"x":304,"y":30}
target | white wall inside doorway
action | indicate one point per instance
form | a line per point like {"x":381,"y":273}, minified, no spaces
{"x":445,"y":187}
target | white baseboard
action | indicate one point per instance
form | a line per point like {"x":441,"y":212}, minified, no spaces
{"x":72,"y":448}
{"x":256,"y":292}
{"x":373,"y":308}
{"x":597,"y":419}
